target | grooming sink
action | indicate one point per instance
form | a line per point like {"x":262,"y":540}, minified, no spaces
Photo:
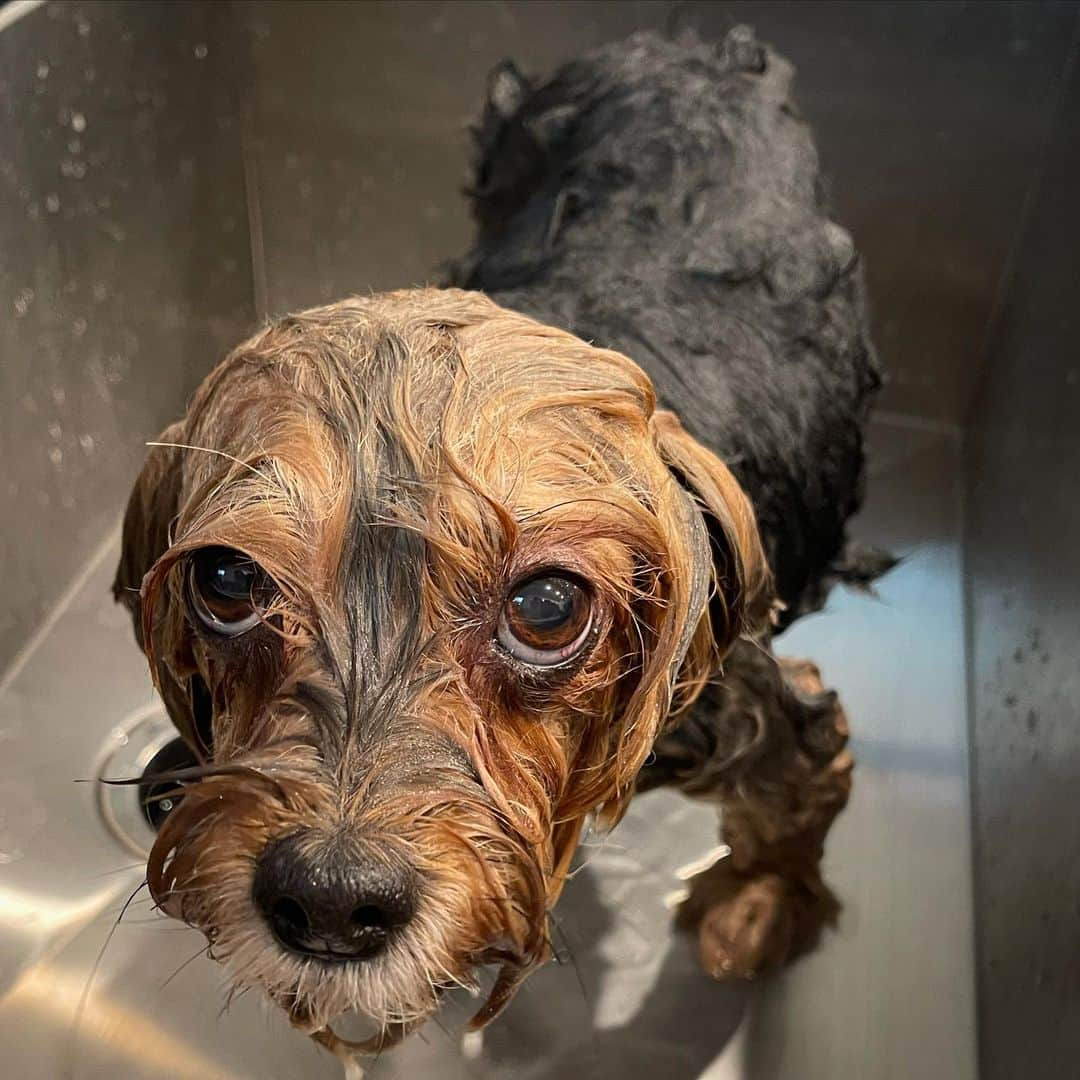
{"x":175,"y":173}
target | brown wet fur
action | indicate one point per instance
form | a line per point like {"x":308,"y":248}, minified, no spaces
{"x":780,"y":772}
{"x":395,"y":463}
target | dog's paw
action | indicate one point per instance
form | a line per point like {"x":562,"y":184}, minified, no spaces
{"x":749,"y":931}
{"x":749,"y":924}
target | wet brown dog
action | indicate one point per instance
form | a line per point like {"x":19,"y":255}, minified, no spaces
{"x":426,"y":583}
{"x":424,"y":580}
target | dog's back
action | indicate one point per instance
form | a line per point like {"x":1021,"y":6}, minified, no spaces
{"x":663,"y":198}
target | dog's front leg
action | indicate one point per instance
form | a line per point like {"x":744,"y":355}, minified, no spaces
{"x":768,"y":744}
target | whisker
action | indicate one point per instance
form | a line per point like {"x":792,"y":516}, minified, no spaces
{"x":200,"y":952}
{"x":210,"y":450}
{"x":573,"y":959}
{"x":84,"y":997}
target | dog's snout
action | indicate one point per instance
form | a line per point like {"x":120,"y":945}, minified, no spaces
{"x":333,"y":901}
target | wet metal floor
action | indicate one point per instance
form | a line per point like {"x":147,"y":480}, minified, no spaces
{"x":174,"y":172}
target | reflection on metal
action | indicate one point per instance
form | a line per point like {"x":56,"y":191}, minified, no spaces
{"x":13,"y":11}
{"x":50,"y":918}
{"x":51,"y":994}
{"x":136,"y":742}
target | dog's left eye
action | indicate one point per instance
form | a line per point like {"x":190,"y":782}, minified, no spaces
{"x":229,"y":590}
{"x":546,"y":620}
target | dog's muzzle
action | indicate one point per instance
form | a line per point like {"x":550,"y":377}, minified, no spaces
{"x":331,"y":900}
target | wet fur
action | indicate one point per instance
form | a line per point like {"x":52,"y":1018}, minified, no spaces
{"x":397,"y":462}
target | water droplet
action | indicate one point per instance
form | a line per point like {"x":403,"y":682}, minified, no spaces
{"x":23,"y":299}
{"x":72,"y":168}
{"x":59,"y":396}
{"x":87,"y":443}
{"x":43,"y":70}
{"x":56,"y":456}
{"x":78,"y":122}
{"x":83,"y":27}
{"x":101,"y":291}
{"x":78,"y":328}
{"x":52,"y":203}
{"x":201,"y":51}
{"x":56,"y":432}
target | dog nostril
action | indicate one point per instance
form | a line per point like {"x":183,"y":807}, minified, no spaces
{"x":289,"y":919}
{"x":370,"y":917}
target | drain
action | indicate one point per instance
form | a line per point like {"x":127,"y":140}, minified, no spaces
{"x":157,"y":798}
{"x":144,"y":746}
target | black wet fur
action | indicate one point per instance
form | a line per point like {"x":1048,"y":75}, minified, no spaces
{"x":663,"y":198}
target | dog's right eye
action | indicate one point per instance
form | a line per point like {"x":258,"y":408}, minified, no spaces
{"x":228,"y":590}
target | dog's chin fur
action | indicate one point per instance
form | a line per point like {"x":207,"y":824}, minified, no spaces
{"x":400,"y":987}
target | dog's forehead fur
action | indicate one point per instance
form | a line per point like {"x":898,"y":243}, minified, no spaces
{"x":361,"y":413}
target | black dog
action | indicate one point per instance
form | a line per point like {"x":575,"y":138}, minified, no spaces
{"x":663,"y":199}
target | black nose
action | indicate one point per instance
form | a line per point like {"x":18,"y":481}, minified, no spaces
{"x":332,"y":899}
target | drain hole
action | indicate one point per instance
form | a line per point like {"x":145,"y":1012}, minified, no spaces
{"x":158,"y":798}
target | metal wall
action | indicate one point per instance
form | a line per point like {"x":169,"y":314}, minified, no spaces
{"x":125,"y":267}
{"x":1023,"y":533}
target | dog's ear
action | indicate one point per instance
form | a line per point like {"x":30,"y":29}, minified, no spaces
{"x":728,"y":549}
{"x":147,"y":522}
